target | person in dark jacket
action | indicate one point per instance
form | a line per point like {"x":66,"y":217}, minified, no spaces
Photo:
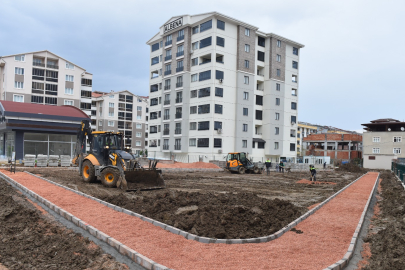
{"x":268,"y":166}
{"x":281,"y":166}
{"x":313,"y":172}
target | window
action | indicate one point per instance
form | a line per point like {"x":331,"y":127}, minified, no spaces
{"x":295,"y":64}
{"x":217,"y":125}
{"x":139,"y":108}
{"x":193,"y":126}
{"x":259,"y":100}
{"x":37,"y":99}
{"x":193,"y":109}
{"x":247,"y":32}
{"x":244,"y":143}
{"x":278,"y":72}
{"x":69,"y":78}
{"x":277,"y":101}
{"x":245,"y":127}
{"x":275,"y":145}
{"x":219,"y":92}
{"x":246,"y":79}
{"x":138,"y":126}
{"x":192,"y":142}
{"x":218,"y":108}
{"x":100,"y":123}
{"x":278,"y":58}
{"x":195,"y":29}
{"x":51,"y":100}
{"x":294,"y":78}
{"x":180,"y":35}
{"x":194,"y":77}
{"x":205,"y":125}
{"x":277,"y":116}
{"x":246,"y":63}
{"x":292,"y":146}
{"x":277,"y":130}
{"x":155,"y":60}
{"x":260,"y":56}
{"x":180,"y":50}
{"x":245,"y":111}
{"x":87,"y":82}
{"x":168,"y":68}
{"x":204,"y":109}
{"x":110,"y":123}
{"x":278,"y":86}
{"x":205,"y":26}
{"x":247,"y":48}
{"x":180,"y":66}
{"x":139,"y":134}
{"x":204,"y":92}
{"x":69,"y":65}
{"x":193,"y":94}
{"x":259,"y":115}
{"x":155,"y":47}
{"x":261,"y":41}
{"x":397,"y":150}
{"x":111,"y":104}
{"x":293,"y":92}
{"x":206,"y":75}
{"x":293,"y":119}
{"x":279,"y":43}
{"x":295,"y":51}
{"x":220,"y":25}
{"x":194,"y":61}
{"x":245,"y":95}
{"x":397,"y":139}
{"x":219,"y":75}
{"x":203,"y":142}
{"x":220,"y":41}
{"x":18,"y":98}
{"x":19,"y":71}
{"x":293,"y":105}
{"x":217,"y":143}
{"x":376,"y":150}
{"x":19,"y":85}
{"x":168,"y":54}
{"x":195,"y":46}
{"x":205,"y":42}
{"x":20,"y":58}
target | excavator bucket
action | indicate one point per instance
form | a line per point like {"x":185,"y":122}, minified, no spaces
{"x":144,"y":179}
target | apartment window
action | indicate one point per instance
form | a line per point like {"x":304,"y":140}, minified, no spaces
{"x":220,"y":25}
{"x":259,"y":100}
{"x":138,"y":134}
{"x":278,"y":58}
{"x":153,"y":101}
{"x":295,"y":64}
{"x":295,"y":51}
{"x":69,"y":78}
{"x":37,"y":99}
{"x":111,"y":104}
{"x":246,"y":63}
{"x":245,"y":95}
{"x":278,"y":86}
{"x":397,"y":139}
{"x":246,"y":79}
{"x":180,"y":50}
{"x":19,"y":85}
{"x":244,"y":143}
{"x":100,"y":123}
{"x":205,"y":42}
{"x":193,"y":109}
{"x":245,"y":111}
{"x":51,"y":100}
{"x":247,"y":48}
{"x":18,"y":98}
{"x":195,"y":29}
{"x":205,"y":26}
{"x":205,"y":125}
{"x":193,"y":94}
{"x":376,"y":150}
{"x":168,"y":40}
{"x":220,"y":41}
{"x":292,"y":146}
{"x":194,"y":77}
{"x":277,"y":101}
{"x":155,"y":60}
{"x":219,"y":92}
{"x":204,"y":109}
{"x":293,"y":92}
{"x":247,"y":32}
{"x":69,"y":65}
{"x":206,"y":75}
{"x":293,"y":119}
{"x":194,"y":61}
{"x":192,"y":142}
{"x":293,"y":105}
{"x":180,"y":66}
{"x":195,"y":45}
{"x":168,"y":54}
{"x":168,"y":68}
{"x":20,"y":58}
{"x":203,"y":142}
{"x":19,"y":71}
{"x":180,"y":35}
{"x":260,"y":56}
{"x":245,"y":127}
{"x":397,"y":150}
{"x":259,"y":115}
{"x":138,"y":126}
{"x":261,"y":41}
{"x":204,"y":92}
{"x":138,"y":108}
{"x":218,"y":108}
{"x":110,"y":123}
{"x":294,"y":78}
{"x":217,"y":125}
{"x":155,"y":47}
{"x":277,"y":130}
{"x":219,"y":75}
{"x":89,"y":82}
{"x":277,"y":116}
{"x":279,"y":43}
{"x":278,"y":72}
{"x":275,"y":145}
{"x":193,"y":126}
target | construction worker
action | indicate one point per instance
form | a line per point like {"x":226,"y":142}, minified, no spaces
{"x":268,"y":166}
{"x":281,"y":166}
{"x":313,"y":172}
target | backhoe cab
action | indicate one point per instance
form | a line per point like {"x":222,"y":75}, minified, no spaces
{"x":239,"y":163}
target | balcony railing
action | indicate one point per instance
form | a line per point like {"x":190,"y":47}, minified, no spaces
{"x":38,"y":64}
{"x":178,"y":115}
{"x":179,"y":84}
{"x":166,"y":132}
{"x":167,"y":58}
{"x":167,"y":43}
{"x":177,"y":147}
{"x":178,"y":54}
{"x":153,"y":131}
{"x":292,"y":135}
{"x":177,"y":131}
{"x":168,"y":72}
{"x":260,"y":88}
{"x":153,"y":145}
{"x":165,"y":147}
{"x":179,"y":69}
{"x":166,"y":117}
{"x":167,"y":87}
{"x":166,"y":102}
{"x":39,"y":78}
{"x":205,"y":62}
{"x":52,"y":66}
{"x":179,"y":100}
{"x":179,"y":38}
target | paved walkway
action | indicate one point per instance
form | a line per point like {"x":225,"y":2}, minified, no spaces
{"x":325,"y":239}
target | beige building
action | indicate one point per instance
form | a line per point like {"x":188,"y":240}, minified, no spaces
{"x":122,"y":112}
{"x":43,"y":77}
{"x":383,"y":142}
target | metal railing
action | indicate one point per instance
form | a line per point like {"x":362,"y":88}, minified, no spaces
{"x":179,"y":84}
{"x":52,"y":66}
{"x":167,"y":87}
{"x":165,"y":147}
{"x":167,"y":43}
{"x":178,"y":54}
{"x":167,"y":58}
{"x":166,"y":102}
{"x":168,"y":72}
{"x":38,"y":64}
{"x":179,"y":38}
{"x":166,"y":117}
{"x":177,"y":147}
{"x":166,"y":132}
{"x":177,"y":131}
{"x":179,"y":100}
{"x":178,"y":115}
{"x":179,"y":69}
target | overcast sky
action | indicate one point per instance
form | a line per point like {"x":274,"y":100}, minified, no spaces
{"x":351,"y":69}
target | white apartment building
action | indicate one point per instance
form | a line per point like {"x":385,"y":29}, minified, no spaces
{"x":122,"y":112}
{"x":220,"y":85}
{"x":45,"y":78}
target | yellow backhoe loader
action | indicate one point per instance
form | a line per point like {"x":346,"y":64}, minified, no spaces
{"x":239,"y":163}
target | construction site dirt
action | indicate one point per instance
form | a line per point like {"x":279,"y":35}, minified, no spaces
{"x":218,"y":204}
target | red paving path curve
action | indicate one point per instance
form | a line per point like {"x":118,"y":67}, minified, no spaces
{"x":325,"y":239}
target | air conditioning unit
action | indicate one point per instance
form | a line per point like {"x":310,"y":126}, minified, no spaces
{"x":191,"y":51}
{"x":219,"y":151}
{"x":221,"y":80}
{"x":219,"y":131}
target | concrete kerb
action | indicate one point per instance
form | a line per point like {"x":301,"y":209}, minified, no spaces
{"x":146,"y":262}
{"x":349,"y":254}
{"x":202,"y":239}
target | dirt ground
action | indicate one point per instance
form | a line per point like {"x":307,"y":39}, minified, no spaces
{"x":218,"y":204}
{"x":30,"y":239}
{"x":387,"y":235}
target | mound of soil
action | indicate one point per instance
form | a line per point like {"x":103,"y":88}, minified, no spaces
{"x":387,"y":245}
{"x":308,"y":182}
{"x":194,"y":165}
{"x":215,"y":215}
{"x":30,"y":240}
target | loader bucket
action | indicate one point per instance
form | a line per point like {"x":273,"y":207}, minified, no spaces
{"x":144,"y":179}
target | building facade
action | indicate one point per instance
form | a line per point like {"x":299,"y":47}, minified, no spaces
{"x":45,"y":78}
{"x":122,"y":112}
{"x":382,"y":142}
{"x":219,"y":85}
{"x":304,"y":129}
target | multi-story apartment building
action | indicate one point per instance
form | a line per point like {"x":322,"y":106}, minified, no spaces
{"x":304,"y":129}
{"x":382,"y":142}
{"x":220,"y":85}
{"x":44,"y":78}
{"x":122,"y":112}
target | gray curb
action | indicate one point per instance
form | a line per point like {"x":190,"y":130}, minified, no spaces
{"x":124,"y":250}
{"x":206,"y":240}
{"x":341,"y":264}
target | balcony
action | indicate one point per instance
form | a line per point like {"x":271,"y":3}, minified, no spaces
{"x":38,"y":64}
{"x":177,"y":147}
{"x":52,"y":66}
{"x":167,"y":87}
{"x":50,"y":79}
{"x":153,"y":131}
{"x":168,"y":57}
{"x":166,"y":132}
{"x":180,"y":38}
{"x":177,"y":131}
{"x":152,"y":145}
{"x":179,"y":84}
{"x":292,"y":135}
{"x":165,"y":147}
{"x":166,"y":117}
{"x":168,"y":72}
{"x":39,"y":78}
{"x":166,"y":102}
{"x":167,"y":43}
{"x":179,"y":69}
{"x":179,"y":100}
{"x":181,"y":53}
{"x":178,"y":115}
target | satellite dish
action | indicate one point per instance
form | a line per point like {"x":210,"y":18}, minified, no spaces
{"x":402,"y":128}
{"x":389,"y":129}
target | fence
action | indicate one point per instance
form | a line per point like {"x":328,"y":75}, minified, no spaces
{"x":399,"y":170}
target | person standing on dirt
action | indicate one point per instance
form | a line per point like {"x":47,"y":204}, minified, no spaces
{"x":313,"y":172}
{"x":324,"y":165}
{"x":281,"y":166}
{"x":268,"y":166}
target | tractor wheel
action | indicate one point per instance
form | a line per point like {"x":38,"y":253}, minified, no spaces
{"x":241,"y":170}
{"x":88,"y":172}
{"x":256,"y":170}
{"x":109,"y":177}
